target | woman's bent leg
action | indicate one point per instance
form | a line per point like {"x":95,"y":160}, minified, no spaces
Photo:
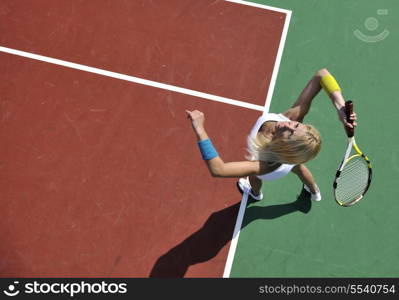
{"x":256,"y":184}
{"x":306,"y":177}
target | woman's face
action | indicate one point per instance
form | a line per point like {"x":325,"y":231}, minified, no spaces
{"x":288,"y":129}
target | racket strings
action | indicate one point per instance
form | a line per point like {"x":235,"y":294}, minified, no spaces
{"x":353,"y":181}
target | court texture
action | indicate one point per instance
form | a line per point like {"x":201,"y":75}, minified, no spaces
{"x":100,"y":174}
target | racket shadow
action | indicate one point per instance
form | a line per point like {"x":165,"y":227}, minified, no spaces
{"x":216,"y":232}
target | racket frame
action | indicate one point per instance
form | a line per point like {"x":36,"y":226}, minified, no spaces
{"x":350,"y":132}
{"x":347,"y":158}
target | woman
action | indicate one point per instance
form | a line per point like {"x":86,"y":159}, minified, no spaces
{"x":278,"y":143}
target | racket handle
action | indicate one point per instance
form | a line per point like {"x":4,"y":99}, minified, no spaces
{"x":350,"y":132}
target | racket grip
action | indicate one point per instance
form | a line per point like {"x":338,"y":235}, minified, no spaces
{"x":350,"y":132}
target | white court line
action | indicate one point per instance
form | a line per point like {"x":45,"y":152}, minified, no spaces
{"x":244,"y":200}
{"x":277,"y":63}
{"x":131,"y":78}
{"x":236,"y":234}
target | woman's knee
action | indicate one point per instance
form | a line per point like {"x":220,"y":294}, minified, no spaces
{"x":299,"y":169}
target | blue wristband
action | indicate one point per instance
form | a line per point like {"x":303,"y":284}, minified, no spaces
{"x":207,"y":150}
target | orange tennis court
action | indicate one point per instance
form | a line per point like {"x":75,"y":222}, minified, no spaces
{"x":101,"y":175}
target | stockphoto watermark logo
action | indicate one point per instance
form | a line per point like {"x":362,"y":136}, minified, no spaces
{"x":371,"y":24}
{"x":64,"y":288}
{"x":12,"y":289}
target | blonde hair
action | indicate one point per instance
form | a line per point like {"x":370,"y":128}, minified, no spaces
{"x":295,"y":150}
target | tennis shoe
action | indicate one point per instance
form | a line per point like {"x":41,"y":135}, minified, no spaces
{"x":316,"y":196}
{"x":245,"y":186}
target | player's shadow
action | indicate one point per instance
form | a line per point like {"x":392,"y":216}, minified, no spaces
{"x":216,"y":232}
{"x":302,"y":204}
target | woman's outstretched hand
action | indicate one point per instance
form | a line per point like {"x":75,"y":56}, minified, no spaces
{"x":197,"y":119}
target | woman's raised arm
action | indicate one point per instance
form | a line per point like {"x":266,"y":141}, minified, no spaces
{"x":300,"y":108}
{"x":217,"y":167}
{"x":321,"y":79}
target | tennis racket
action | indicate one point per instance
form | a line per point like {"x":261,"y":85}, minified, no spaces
{"x":353,"y":177}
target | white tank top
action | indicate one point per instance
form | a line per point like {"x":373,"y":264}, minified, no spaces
{"x":284,"y":169}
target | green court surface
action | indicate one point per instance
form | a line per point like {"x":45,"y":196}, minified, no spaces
{"x":282,"y":239}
